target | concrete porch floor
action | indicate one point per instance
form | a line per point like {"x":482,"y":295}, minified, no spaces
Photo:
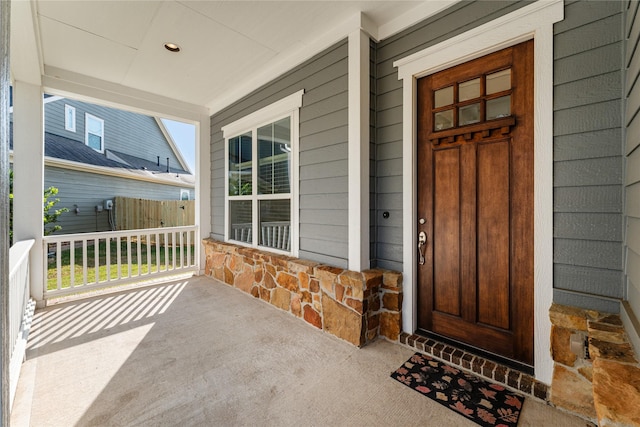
{"x":197,"y":352}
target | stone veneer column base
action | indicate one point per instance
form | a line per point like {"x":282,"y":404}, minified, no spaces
{"x":355,"y":306}
{"x":604,"y":388}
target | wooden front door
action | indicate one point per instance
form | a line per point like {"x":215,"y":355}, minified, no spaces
{"x":475,"y":203}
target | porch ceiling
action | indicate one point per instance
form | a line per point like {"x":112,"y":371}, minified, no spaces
{"x":225,"y":44}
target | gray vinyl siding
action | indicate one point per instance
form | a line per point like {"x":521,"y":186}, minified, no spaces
{"x":323,"y":169}
{"x":86,"y":190}
{"x":457,"y":19}
{"x":130,"y":133}
{"x":632,"y":151}
{"x":588,"y":163}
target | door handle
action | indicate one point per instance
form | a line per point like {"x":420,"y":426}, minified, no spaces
{"x":422,"y":240}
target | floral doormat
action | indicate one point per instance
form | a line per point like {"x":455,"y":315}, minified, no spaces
{"x":482,"y":402}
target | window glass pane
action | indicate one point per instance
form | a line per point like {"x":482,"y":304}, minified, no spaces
{"x":499,"y":107}
{"x":275,"y":230}
{"x":70,"y":118}
{"x":274,"y":157}
{"x":94,"y":126}
{"x":240,"y":165}
{"x":497,"y":82}
{"x":469,"y":114}
{"x":469,"y":90}
{"x":443,"y":120}
{"x":443,"y":97}
{"x":240,"y":220}
{"x":94,"y":141}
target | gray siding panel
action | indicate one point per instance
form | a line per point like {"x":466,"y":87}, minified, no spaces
{"x":588,"y":253}
{"x":605,"y":87}
{"x":588,"y":118}
{"x":588,"y":172}
{"x":603,"y":143}
{"x":588,"y":226}
{"x":588,"y":199}
{"x":588,"y":162}
{"x":589,"y":36}
{"x":602,"y":60}
{"x":632,"y":144}
{"x":594,"y":281}
{"x":323,"y":152}
{"x":590,"y":302}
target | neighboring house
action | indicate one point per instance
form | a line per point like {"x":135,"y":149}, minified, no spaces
{"x":95,"y":153}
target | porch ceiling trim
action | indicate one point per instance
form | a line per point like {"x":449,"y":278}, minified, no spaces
{"x":57,"y":81}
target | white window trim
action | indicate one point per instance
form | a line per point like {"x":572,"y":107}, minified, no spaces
{"x":534,"y":21}
{"x":71,"y":127}
{"x":86,"y":131}
{"x":286,"y":107}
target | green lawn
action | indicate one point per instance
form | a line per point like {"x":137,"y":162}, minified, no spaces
{"x":143,"y":267}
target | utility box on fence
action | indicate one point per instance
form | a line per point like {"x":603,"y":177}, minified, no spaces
{"x":134,"y":214}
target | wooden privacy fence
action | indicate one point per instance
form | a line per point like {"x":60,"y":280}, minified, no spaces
{"x":137,"y":214}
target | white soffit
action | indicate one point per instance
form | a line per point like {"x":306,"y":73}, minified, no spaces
{"x":229,"y":48}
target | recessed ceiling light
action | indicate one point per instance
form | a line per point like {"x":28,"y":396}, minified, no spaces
{"x":172,"y":47}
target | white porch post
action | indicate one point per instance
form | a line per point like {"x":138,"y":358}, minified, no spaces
{"x":359,"y":93}
{"x":203,"y":185}
{"x":28,"y":176}
{"x":5,"y":353}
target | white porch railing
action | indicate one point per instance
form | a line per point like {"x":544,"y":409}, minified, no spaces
{"x":90,"y":261}
{"x":21,"y":308}
{"x":274,"y":234}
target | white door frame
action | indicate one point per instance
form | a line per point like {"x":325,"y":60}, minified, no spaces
{"x":534,"y":21}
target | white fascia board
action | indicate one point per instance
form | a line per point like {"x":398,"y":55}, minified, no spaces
{"x":103,"y":170}
{"x":73,"y":85}
{"x":172,"y":144}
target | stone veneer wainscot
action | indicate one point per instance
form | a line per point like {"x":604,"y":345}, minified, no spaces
{"x":355,"y":306}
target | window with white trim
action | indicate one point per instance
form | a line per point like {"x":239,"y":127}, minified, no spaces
{"x":70,"y":118}
{"x":94,"y":132}
{"x":261,"y":152}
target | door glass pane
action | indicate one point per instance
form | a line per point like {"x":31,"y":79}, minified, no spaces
{"x":240,"y":165}
{"x":499,"y":107}
{"x":240,"y":220}
{"x":275,"y":224}
{"x":469,"y":114}
{"x":443,"y":120}
{"x":469,"y":90}
{"x":274,"y":157}
{"x":497,"y":82}
{"x":443,"y":97}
